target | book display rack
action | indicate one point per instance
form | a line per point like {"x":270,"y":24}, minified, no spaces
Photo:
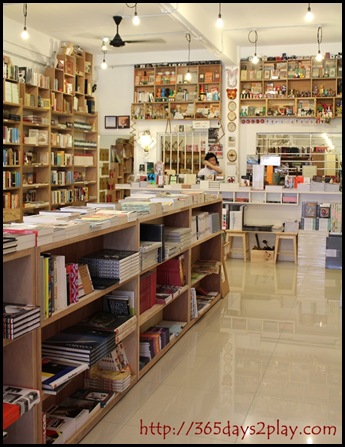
{"x":175,"y":313}
{"x":50,"y":137}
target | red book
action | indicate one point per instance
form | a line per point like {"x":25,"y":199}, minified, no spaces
{"x":11,"y":412}
{"x":72,"y":283}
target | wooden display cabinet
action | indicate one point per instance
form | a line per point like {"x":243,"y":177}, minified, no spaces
{"x":166,"y":84}
{"x":294,"y":80}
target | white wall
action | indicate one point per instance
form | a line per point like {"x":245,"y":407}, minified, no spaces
{"x":114,"y":93}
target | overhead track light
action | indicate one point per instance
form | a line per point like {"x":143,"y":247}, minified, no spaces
{"x":319,"y":55}
{"x":25,"y":34}
{"x":253,"y":38}
{"x":188,"y":76}
{"x":219,"y":22}
{"x":135,"y":19}
{"x":309,"y":15}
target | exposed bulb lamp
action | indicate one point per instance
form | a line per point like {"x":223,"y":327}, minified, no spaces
{"x":104,"y":44}
{"x":319,"y":55}
{"x":188,"y":75}
{"x":25,"y":34}
{"x":146,"y":141}
{"x":219,"y":22}
{"x":135,"y":19}
{"x":309,"y":15}
{"x":253,"y":39}
{"x":104,"y":65}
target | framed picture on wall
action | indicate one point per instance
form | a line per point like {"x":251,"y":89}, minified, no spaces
{"x":123,"y":122}
{"x":110,"y":122}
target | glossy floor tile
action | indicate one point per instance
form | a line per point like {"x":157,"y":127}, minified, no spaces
{"x":263,"y":366}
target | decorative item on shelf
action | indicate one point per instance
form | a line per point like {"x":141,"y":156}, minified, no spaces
{"x":188,"y":76}
{"x":319,"y":55}
{"x":25,"y":34}
{"x":253,"y":38}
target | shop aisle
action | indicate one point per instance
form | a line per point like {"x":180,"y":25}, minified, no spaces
{"x":262,"y":367}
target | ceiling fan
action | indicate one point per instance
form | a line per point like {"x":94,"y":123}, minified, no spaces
{"x":118,"y":42}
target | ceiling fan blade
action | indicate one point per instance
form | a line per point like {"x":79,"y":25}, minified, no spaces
{"x":157,"y":40}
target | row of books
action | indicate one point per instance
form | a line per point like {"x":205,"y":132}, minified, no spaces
{"x":62,"y":421}
{"x":157,"y":337}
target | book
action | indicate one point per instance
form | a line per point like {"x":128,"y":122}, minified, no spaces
{"x":85,"y":278}
{"x":154,"y":233}
{"x":55,"y":372}
{"x":25,"y":398}
{"x":122,"y":293}
{"x":104,"y":321}
{"x":309,"y":209}
{"x":100,"y":396}
{"x":10,"y":414}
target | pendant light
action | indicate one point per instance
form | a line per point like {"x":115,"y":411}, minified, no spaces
{"x":219,"y":22}
{"x":135,"y":19}
{"x":253,"y":38}
{"x":104,"y":65}
{"x":25,"y":34}
{"x":188,"y":76}
{"x":309,"y":15}
{"x":319,"y":55}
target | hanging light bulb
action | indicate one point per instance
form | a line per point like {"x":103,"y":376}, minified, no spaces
{"x":188,"y":75}
{"x":255,"y":59}
{"x":104,"y":43}
{"x":135,"y":20}
{"x":319,"y":55}
{"x":309,"y":15}
{"x":219,"y":22}
{"x":25,"y":34}
{"x":104,"y":65}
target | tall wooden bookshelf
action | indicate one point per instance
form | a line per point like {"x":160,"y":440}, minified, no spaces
{"x":124,"y":236}
{"x":51,"y":139}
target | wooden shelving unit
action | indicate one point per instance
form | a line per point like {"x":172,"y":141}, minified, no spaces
{"x":299,"y":87}
{"x":127,"y":237}
{"x":161,"y":91}
{"x":55,"y":139}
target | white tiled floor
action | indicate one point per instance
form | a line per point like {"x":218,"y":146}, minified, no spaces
{"x":266,"y":360}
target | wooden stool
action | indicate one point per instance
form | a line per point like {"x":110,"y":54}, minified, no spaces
{"x":288,"y":236}
{"x":231,"y":234}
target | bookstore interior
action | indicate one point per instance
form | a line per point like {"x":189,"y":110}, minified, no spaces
{"x":106,"y":216}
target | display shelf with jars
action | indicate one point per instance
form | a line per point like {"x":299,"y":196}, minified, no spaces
{"x":277,"y":87}
{"x":177,"y":90}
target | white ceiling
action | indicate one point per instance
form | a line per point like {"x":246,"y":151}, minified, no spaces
{"x":277,"y":24}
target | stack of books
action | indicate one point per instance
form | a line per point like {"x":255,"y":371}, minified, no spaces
{"x":112,"y":263}
{"x":24,"y":398}
{"x":9,"y":244}
{"x":180,"y":236}
{"x":80,"y":344}
{"x":116,"y":381}
{"x":18,"y":319}
{"x":23,"y":241}
{"x":56,"y":372}
{"x":149,"y":254}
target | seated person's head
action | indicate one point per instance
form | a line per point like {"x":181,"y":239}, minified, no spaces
{"x":212,"y":158}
